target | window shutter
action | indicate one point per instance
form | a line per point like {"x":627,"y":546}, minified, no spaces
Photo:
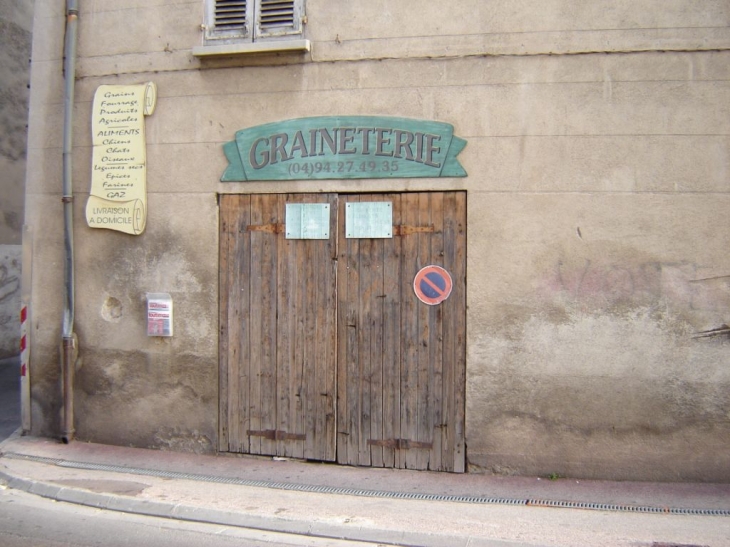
{"x":230,"y":14}
{"x":276,"y":13}
{"x":232,"y":21}
{"x":229,"y":19}
{"x":279,"y":17}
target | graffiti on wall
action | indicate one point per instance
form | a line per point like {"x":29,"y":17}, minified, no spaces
{"x":9,"y":300}
{"x":681,"y":283}
{"x":9,"y":288}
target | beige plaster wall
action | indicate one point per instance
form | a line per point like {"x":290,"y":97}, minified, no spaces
{"x":597,"y":194}
{"x":584,"y":351}
{"x":131,"y":36}
{"x":164,"y":388}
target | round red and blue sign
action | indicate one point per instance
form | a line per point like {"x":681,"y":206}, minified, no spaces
{"x":432,"y":285}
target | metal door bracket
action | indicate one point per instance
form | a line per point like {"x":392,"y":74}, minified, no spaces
{"x":404,"y":230}
{"x":269,"y":228}
{"x":276,"y":435}
{"x":399,"y":444}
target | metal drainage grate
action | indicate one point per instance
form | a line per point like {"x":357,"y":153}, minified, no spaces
{"x":370,"y":493}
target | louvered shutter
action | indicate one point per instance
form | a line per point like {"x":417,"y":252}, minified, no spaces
{"x":230,"y":19}
{"x":279,"y":18}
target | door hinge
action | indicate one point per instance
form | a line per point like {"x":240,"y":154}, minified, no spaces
{"x":399,"y":444}
{"x":269,"y":228}
{"x":404,"y":230}
{"x":276,"y":435}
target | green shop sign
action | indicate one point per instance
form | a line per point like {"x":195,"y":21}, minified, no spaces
{"x":344,"y":147}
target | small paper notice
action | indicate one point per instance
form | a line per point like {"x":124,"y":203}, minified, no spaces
{"x":159,"y":314}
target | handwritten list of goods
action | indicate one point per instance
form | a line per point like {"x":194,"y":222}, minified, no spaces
{"x":118,"y":196}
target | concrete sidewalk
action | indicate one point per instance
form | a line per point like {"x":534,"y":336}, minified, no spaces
{"x":393,"y":507}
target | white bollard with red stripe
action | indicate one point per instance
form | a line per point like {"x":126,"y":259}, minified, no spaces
{"x":23,"y":341}
{"x":25,"y":328}
{"x":24,"y":363}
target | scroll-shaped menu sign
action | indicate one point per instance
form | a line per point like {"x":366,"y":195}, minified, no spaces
{"x":118,"y":197}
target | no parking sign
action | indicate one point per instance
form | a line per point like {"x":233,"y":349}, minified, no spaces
{"x":432,"y":285}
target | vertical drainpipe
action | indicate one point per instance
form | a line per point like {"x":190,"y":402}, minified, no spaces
{"x":69,"y":351}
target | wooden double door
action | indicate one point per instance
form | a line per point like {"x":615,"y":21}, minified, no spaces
{"x":326,"y":353}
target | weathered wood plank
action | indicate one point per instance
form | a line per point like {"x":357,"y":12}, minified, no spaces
{"x":424,"y":432}
{"x":448,"y":403}
{"x":263,"y":324}
{"x":309,"y":263}
{"x":324,"y":430}
{"x":234,"y":301}
{"x":410,"y":265}
{"x":454,"y":333}
{"x":332,"y":381}
{"x":304,"y":370}
{"x":224,"y":208}
{"x":268,"y":310}
{"x":240,"y":318}
{"x":286,"y":352}
{"x":435,"y":344}
{"x":255,"y":326}
{"x":299,"y":386}
{"x":371,"y":341}
{"x":450,"y":332}
{"x":236,"y":366}
{"x":364,"y":356}
{"x":234,"y":412}
{"x":352,"y":358}
{"x":392,"y":337}
{"x":460,"y":353}
{"x":343,"y":378}
{"x":376,"y":299}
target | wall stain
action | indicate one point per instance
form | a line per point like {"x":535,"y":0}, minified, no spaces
{"x":9,"y":284}
{"x":615,"y":282}
{"x":723,"y":330}
{"x":180,"y":440}
{"x":9,"y":291}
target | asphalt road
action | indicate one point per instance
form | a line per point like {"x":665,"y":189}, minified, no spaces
{"x":9,"y":396}
{"x":29,"y":520}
